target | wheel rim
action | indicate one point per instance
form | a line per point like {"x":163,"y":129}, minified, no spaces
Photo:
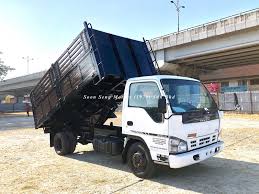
{"x":139,"y":161}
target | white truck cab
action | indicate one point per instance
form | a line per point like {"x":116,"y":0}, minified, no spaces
{"x":175,"y":118}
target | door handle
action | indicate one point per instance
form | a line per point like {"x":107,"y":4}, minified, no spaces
{"x":129,"y":123}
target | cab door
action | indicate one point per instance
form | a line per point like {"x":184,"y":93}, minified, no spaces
{"x":141,"y":117}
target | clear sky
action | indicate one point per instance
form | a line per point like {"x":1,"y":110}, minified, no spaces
{"x":43,"y":29}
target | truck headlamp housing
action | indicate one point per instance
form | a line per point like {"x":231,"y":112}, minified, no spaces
{"x":177,"y":145}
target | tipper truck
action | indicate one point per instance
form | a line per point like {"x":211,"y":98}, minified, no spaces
{"x":166,"y":120}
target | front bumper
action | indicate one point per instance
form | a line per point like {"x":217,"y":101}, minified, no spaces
{"x":192,"y":157}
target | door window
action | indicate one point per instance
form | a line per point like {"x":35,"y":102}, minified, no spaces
{"x":146,"y":95}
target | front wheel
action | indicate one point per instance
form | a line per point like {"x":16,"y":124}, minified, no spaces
{"x":140,"y":161}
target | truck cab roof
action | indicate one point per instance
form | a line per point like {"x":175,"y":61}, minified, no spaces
{"x":159,"y":77}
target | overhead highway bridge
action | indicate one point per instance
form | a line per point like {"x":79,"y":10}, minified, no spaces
{"x":20,"y":86}
{"x":224,"y":43}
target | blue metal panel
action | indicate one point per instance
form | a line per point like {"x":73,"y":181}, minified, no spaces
{"x":234,"y":89}
{"x":144,"y":59}
{"x":106,"y":52}
{"x":126,"y":57}
{"x":12,"y":107}
{"x":123,"y":57}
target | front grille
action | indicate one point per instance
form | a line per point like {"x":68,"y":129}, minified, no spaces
{"x":202,"y":141}
{"x":193,"y":144}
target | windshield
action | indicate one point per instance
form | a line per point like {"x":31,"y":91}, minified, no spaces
{"x":187,"y":95}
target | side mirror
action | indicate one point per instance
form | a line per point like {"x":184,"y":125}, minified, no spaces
{"x":162,"y":105}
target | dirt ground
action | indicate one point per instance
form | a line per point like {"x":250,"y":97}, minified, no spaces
{"x":29,"y":165}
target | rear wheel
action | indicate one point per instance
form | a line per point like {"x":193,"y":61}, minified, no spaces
{"x":140,"y":161}
{"x":61,"y":143}
{"x":72,"y":142}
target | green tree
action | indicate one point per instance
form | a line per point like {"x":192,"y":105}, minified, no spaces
{"x":4,"y":69}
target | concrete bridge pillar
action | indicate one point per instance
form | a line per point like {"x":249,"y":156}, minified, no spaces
{"x":165,"y":67}
{"x":173,"y":68}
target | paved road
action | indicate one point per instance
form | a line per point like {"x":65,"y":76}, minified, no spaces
{"x":16,"y":122}
{"x":29,"y":165}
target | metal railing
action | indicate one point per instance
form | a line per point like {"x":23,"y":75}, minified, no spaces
{"x":248,"y":101}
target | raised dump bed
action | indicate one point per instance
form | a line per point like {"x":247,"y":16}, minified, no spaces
{"x":95,"y":65}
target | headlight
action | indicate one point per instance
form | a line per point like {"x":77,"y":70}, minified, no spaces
{"x":177,"y":145}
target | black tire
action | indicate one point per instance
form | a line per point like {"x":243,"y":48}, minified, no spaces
{"x":140,"y":161}
{"x":72,"y":142}
{"x":61,"y":143}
